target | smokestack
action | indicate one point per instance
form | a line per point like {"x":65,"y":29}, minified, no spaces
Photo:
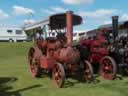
{"x":69,"y":24}
{"x":115,"y":26}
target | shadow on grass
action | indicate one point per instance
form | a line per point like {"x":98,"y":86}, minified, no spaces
{"x":5,"y":88}
{"x":78,"y":79}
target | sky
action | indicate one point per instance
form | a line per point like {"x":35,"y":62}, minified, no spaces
{"x":93,"y":12}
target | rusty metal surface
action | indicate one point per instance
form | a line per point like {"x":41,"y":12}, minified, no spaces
{"x":57,"y":53}
{"x":59,"y":48}
{"x":69,"y":33}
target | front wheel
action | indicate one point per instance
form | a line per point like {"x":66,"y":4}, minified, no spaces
{"x":58,"y":75}
{"x":88,"y":71}
{"x":108,"y":68}
{"x":34,"y":63}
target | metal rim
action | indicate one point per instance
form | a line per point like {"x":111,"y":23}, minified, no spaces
{"x":33,"y":63}
{"x":88,"y":71}
{"x":58,"y":75}
{"x":108,"y":68}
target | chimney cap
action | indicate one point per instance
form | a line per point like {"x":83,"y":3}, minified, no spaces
{"x":115,"y":17}
{"x":69,"y":11}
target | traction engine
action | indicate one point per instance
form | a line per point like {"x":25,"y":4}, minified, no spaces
{"x":98,"y":55}
{"x":56,"y":55}
{"x":119,"y":48}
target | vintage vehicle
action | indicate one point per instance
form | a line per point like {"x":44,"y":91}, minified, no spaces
{"x":108,"y":52}
{"x":98,"y":55}
{"x":104,"y":52}
{"x":56,"y":55}
{"x":12,"y":34}
{"x":119,"y":48}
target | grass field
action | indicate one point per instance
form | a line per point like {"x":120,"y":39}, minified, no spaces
{"x":15,"y":78}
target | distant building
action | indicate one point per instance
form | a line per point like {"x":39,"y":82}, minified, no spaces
{"x":43,"y":25}
{"x":122,"y":27}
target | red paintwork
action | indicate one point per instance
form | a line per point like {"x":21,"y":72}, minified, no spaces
{"x":58,"y":49}
{"x":47,"y":63}
{"x":86,"y":42}
{"x":95,"y":47}
{"x":108,"y":67}
{"x":56,"y":55}
{"x":98,"y":49}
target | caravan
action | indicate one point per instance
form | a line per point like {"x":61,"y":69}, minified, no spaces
{"x":12,"y":34}
{"x":77,"y":35}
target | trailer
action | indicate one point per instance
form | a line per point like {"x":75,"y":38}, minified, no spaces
{"x":12,"y":34}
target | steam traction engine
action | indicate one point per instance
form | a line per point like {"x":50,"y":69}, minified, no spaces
{"x":119,"y":48}
{"x":98,"y":55}
{"x":56,"y":55}
{"x":116,"y":49}
{"x":109,"y":51}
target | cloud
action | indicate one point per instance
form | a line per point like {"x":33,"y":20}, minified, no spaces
{"x":84,"y":21}
{"x":20,"y":10}
{"x":124,"y":17}
{"x":77,"y":2}
{"x":49,"y":11}
{"x":98,"y":13}
{"x":30,"y":21}
{"x":59,"y":9}
{"x":3,"y":15}
{"x":54,"y":10}
{"x":107,"y":22}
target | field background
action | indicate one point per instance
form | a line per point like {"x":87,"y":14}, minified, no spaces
{"x":15,"y":78}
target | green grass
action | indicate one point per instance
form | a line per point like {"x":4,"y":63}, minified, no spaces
{"x":15,"y":78}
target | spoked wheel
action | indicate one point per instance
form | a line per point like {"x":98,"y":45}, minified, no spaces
{"x":108,"y":68}
{"x":58,"y":75}
{"x":34,"y":63}
{"x":88,"y":71}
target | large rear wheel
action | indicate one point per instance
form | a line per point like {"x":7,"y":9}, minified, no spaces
{"x":108,"y":68}
{"x":34,"y":63}
{"x":58,"y":75}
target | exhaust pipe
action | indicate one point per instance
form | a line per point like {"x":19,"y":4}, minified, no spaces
{"x":114,"y":27}
{"x":69,"y":24}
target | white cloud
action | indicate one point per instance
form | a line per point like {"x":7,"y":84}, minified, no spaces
{"x":54,"y":10}
{"x":20,"y":10}
{"x":30,"y":21}
{"x":84,"y":21}
{"x":76,"y":2}
{"x":124,"y":17}
{"x":107,"y":22}
{"x":48,"y":11}
{"x":3,"y":15}
{"x":98,"y":13}
{"x":59,"y":9}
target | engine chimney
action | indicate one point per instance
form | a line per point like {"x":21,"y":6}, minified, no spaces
{"x":69,"y":30}
{"x":115,"y":26}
